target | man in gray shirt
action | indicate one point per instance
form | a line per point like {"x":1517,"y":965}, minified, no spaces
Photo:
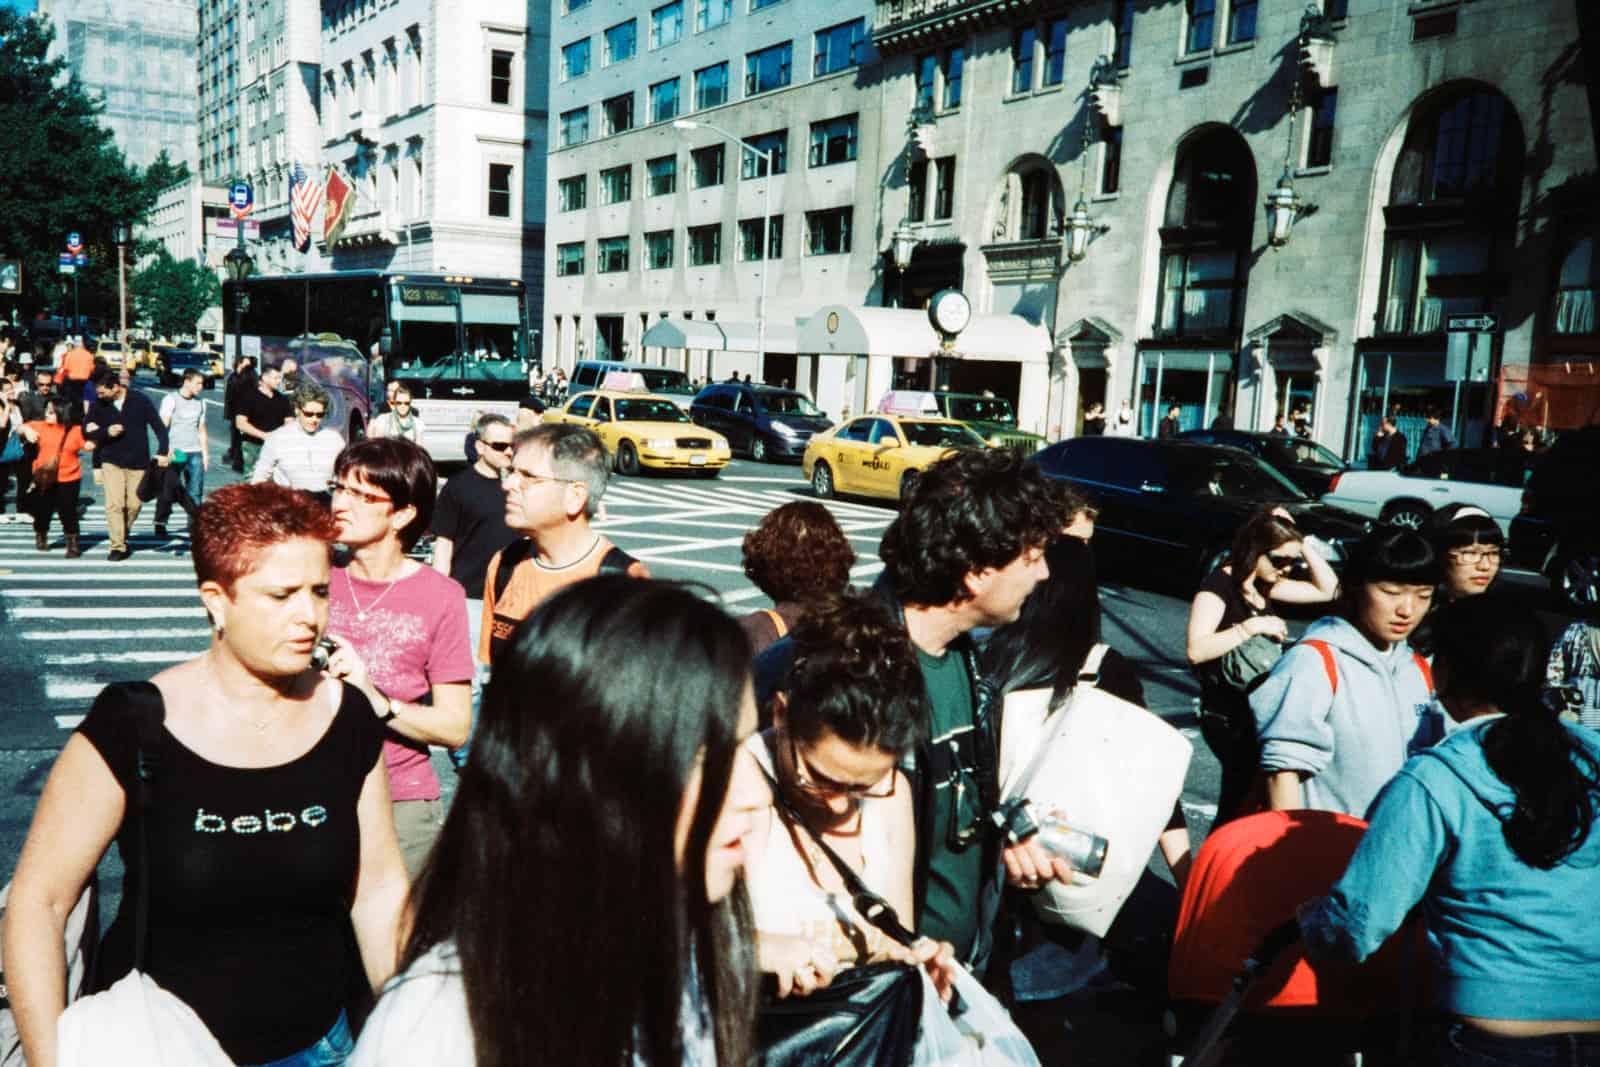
{"x":184,"y":412}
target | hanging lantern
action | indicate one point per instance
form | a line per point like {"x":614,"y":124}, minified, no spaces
{"x":1283,"y":208}
{"x":903,"y":242}
{"x":1080,"y":227}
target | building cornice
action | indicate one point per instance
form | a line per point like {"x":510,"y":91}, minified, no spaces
{"x":901,"y":26}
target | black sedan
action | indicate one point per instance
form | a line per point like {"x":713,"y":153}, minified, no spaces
{"x":172,"y":362}
{"x":1305,"y":463}
{"x":1173,"y":507}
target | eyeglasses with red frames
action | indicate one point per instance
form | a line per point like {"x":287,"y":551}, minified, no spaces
{"x":335,"y":488}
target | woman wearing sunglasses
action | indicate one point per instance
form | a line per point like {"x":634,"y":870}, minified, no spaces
{"x":1234,"y":608}
{"x":852,"y":709}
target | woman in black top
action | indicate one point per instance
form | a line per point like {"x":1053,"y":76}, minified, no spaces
{"x":1233,"y":606}
{"x":271,"y":849}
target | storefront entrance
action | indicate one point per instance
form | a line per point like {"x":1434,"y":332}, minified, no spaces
{"x":1200,"y":383}
{"x":1407,"y":385}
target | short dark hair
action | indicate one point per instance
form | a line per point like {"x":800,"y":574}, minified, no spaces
{"x":401,"y":469}
{"x":798,"y":552}
{"x":1388,"y":554}
{"x":191,"y":374}
{"x":1060,"y":623}
{"x":103,"y":376}
{"x":576,"y":453}
{"x":855,"y":675}
{"x":970,"y":512}
{"x":1459,"y":525}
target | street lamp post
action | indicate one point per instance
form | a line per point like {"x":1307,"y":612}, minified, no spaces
{"x":238,"y":265}
{"x":119,"y":234}
{"x":766,"y":227}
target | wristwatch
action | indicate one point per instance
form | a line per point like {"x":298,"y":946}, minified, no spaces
{"x":388,"y":712}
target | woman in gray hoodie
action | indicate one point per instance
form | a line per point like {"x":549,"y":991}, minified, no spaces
{"x":1344,"y":708}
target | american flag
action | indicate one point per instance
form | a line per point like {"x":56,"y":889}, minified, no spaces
{"x":305,"y":196}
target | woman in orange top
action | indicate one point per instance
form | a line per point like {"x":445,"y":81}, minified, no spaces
{"x":60,"y":440}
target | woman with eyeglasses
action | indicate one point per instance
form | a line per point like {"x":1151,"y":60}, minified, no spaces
{"x":300,"y":454}
{"x":1232,"y":616}
{"x":852,"y":709}
{"x":1470,"y":545}
{"x":399,"y":420}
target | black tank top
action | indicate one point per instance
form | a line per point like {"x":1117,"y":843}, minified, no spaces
{"x":252,"y":872}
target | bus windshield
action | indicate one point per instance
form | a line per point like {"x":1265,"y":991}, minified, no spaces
{"x":446,"y":334}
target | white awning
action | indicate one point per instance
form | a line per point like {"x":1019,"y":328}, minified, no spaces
{"x":721,"y":335}
{"x":875,"y":331}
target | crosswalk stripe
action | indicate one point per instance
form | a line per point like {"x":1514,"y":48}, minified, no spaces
{"x":78,"y":659}
{"x":99,"y":594}
{"x":120,"y":574}
{"x":157,"y":634}
{"x":71,"y":689}
{"x":99,"y":614}
{"x":69,"y":722}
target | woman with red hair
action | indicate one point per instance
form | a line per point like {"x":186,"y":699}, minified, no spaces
{"x":265,"y":846}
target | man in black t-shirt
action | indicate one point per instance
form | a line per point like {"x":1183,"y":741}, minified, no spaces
{"x":469,"y":523}
{"x":259,"y":413}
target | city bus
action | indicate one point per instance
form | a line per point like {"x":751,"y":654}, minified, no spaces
{"x":459,"y":343}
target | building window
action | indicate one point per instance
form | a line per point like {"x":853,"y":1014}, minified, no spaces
{"x":1319,"y":144}
{"x":927,"y":74}
{"x":757,"y":5}
{"x":1038,"y":205}
{"x":707,"y":166}
{"x":1202,"y":15}
{"x":757,"y":242}
{"x":1023,"y":45}
{"x":664,"y":100}
{"x":954,"y":60}
{"x":709,"y":14}
{"x":917,"y":190}
{"x":776,"y":144}
{"x":663,"y":175}
{"x":1431,"y":276}
{"x":666,"y":24}
{"x":616,"y":184}
{"x":828,"y":232}
{"x":622,"y":41}
{"x":1110,"y":160}
{"x":768,"y":69}
{"x":838,"y":47}
{"x":569,"y":259}
{"x":499,"y":77}
{"x":658,"y":250}
{"x":944,"y":187}
{"x":1055,"y":52}
{"x":833,"y":141}
{"x":711,"y":86}
{"x":1206,"y":238}
{"x":572,"y":194}
{"x":1576,"y":289}
{"x":1336,"y":9}
{"x":575,"y":60}
{"x":1241,"y":21}
{"x":618,"y":114}
{"x":574,"y":126}
{"x":576,"y":5}
{"x":500,"y":190}
{"x":1122,"y":46}
{"x":611,"y":255}
{"x":705,"y":245}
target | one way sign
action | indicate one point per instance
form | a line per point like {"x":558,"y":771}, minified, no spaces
{"x":1484,"y":322}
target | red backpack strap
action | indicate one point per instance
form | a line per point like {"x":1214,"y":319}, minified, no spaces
{"x":1427,"y":671}
{"x":1327,"y":662}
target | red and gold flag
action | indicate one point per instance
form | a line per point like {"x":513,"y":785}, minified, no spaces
{"x":339,"y":204}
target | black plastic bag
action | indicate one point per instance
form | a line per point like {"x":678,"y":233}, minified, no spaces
{"x":866,"y":1017}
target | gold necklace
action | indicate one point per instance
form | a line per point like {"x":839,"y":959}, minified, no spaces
{"x":361,"y":613}
{"x":260,"y":724}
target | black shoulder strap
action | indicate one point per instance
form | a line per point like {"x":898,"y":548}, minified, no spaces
{"x":148,"y":710}
{"x":510,"y":558}
{"x":616,"y":561}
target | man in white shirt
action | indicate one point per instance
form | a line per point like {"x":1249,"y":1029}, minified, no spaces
{"x":184,"y":412}
{"x":300,"y":454}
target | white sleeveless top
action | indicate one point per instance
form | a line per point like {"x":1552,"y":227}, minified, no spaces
{"x":785,"y":898}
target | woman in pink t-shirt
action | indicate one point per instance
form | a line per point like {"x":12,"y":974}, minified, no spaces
{"x":406,"y":622}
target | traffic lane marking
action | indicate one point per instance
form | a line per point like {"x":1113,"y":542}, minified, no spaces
{"x":78,"y":659}
{"x":99,"y":594}
{"x":196,"y":612}
{"x":118,"y":635}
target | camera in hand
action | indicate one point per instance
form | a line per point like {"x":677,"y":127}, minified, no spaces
{"x":1085,"y":852}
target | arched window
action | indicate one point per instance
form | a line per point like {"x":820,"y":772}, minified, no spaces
{"x":1029,"y":204}
{"x":1576,"y":289}
{"x":1451,"y":201}
{"x":1206,"y":237}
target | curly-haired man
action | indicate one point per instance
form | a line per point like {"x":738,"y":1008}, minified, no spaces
{"x":964,"y":553}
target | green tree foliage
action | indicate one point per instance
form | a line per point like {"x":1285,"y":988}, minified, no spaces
{"x":61,"y":171}
{"x":171,"y":295}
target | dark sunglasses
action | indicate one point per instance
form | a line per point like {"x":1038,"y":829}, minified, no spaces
{"x":1282,"y":562}
{"x":496,"y":446}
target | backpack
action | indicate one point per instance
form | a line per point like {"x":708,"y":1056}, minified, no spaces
{"x":615,"y":561}
{"x":1332,"y":669}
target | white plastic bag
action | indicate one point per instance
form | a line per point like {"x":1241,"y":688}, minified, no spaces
{"x":1107,"y":766}
{"x":981,"y":1036}
{"x":138,"y":1024}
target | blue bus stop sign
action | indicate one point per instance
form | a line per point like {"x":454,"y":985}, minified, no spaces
{"x":74,"y":242}
{"x":241,"y":199}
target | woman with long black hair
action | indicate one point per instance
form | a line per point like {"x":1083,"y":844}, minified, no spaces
{"x":1493,"y":831}
{"x":583,"y":903}
{"x":1470,"y":546}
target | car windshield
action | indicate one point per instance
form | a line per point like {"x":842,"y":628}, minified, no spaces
{"x":940,"y":435}
{"x":665,"y":380}
{"x":1209,"y":473}
{"x":979,"y":409}
{"x":1303,"y":454}
{"x":111,"y":346}
{"x":788,"y":404}
{"x":648,"y":410}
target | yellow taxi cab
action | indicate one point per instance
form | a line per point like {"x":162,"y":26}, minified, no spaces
{"x":645,"y":430}
{"x":157,"y":350}
{"x":112,"y":352}
{"x":874,"y":455}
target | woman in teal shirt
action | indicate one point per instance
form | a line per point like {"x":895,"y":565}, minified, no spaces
{"x":1493,"y":831}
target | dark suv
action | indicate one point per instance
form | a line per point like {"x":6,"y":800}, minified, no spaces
{"x":1174,"y":507}
{"x":1555,"y":532}
{"x":767,"y":422}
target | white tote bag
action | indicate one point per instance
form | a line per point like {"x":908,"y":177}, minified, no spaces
{"x":1106,"y":766}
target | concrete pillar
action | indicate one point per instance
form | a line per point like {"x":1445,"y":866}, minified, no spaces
{"x":1033,"y":391}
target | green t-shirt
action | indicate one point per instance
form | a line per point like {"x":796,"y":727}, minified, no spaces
{"x":950,"y":909}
